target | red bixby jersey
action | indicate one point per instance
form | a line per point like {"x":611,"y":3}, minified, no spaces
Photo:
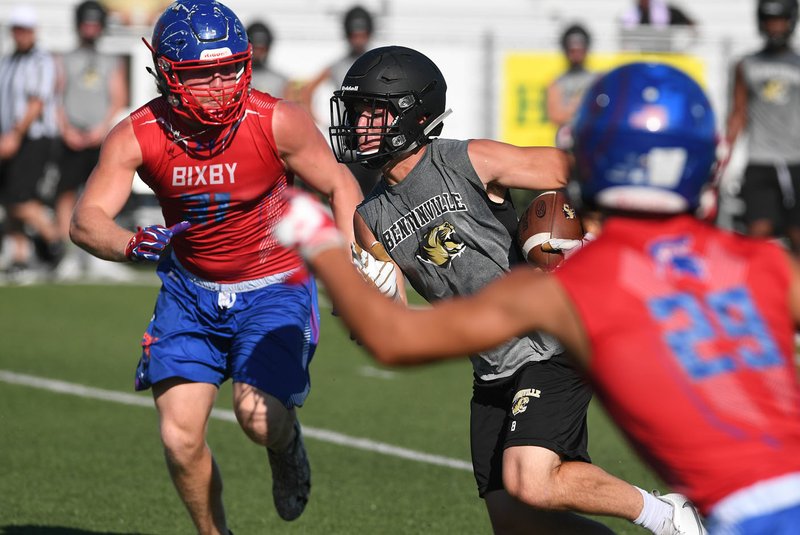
{"x":692,"y":350}
{"x":231,"y":195}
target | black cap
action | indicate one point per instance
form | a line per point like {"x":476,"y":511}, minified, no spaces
{"x":357,"y":19}
{"x":259,"y":34}
{"x":575,"y":35}
{"x":90,"y":11}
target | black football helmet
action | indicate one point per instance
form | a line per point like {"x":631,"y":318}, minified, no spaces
{"x":777,"y":8}
{"x":390,"y":81}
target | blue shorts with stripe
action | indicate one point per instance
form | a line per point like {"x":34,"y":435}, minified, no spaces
{"x":262,"y":333}
{"x":782,"y":522}
{"x":768,"y":507}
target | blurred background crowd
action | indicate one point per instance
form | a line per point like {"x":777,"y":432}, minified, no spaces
{"x":515,"y":70}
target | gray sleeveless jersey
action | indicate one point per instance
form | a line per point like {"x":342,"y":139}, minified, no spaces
{"x":86,"y":93}
{"x":446,"y":235}
{"x":773,"y":121}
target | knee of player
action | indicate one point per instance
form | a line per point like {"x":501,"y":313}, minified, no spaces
{"x":527,"y":487}
{"x":181,"y":446}
{"x":533,"y":493}
{"x":266,"y":422}
{"x":253,"y":425}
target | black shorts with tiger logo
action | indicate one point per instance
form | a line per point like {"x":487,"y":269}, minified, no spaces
{"x":543,"y":404}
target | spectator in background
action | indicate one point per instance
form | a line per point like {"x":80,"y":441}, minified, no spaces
{"x":264,"y":78}
{"x":564,"y":94}
{"x":358,"y":28}
{"x":93,"y":91}
{"x":27,"y":134}
{"x":655,"y":13}
{"x":766,"y":104}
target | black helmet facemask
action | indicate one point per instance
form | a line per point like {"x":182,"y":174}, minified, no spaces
{"x":394,"y":83}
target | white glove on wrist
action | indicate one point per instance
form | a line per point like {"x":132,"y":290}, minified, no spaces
{"x":568,"y":247}
{"x":382,"y":274}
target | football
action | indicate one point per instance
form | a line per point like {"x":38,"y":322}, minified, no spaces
{"x":549,"y":215}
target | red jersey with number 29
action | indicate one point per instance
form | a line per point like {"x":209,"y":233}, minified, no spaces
{"x":692,"y":348}
{"x":228,"y":186}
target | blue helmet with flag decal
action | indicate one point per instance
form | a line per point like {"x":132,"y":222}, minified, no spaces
{"x":194,"y":42}
{"x":644,"y":140}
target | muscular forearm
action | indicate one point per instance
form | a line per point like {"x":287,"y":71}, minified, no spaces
{"x":343,"y":200}
{"x":358,"y":304}
{"x":95,"y":231}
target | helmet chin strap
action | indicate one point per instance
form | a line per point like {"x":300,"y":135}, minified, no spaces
{"x":436,"y":122}
{"x":428,"y":129}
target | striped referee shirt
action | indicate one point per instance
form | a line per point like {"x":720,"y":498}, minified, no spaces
{"x":25,"y":75}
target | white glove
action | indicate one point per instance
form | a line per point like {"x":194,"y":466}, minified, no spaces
{"x":568,"y":247}
{"x":307,"y":226}
{"x":382,"y":274}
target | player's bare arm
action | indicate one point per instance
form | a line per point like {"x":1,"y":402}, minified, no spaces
{"x":107,"y":190}
{"x":305,"y":152}
{"x":452,"y":328}
{"x":501,"y":166}
{"x":368,"y":242}
{"x":737,"y":119}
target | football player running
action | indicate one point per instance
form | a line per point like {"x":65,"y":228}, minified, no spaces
{"x":685,"y":330}
{"x":217,"y":155}
{"x":443,"y":214}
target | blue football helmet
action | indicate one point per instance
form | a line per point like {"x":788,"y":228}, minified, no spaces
{"x":193,"y":40}
{"x":644,"y":140}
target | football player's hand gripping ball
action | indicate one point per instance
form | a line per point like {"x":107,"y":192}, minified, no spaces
{"x":149,"y":242}
{"x":568,"y":247}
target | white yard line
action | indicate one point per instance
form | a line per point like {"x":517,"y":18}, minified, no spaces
{"x":370,"y":371}
{"x":323,"y":435}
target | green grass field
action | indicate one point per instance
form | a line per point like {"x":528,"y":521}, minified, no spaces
{"x":78,"y":465}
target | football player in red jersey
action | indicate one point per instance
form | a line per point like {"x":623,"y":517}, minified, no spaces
{"x":685,"y":330}
{"x":217,"y":155}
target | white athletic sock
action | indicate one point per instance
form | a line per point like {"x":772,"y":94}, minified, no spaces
{"x":655,"y":515}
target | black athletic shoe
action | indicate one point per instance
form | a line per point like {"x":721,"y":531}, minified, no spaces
{"x":291,"y":477}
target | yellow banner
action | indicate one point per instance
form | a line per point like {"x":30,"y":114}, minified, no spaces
{"x":527,"y":75}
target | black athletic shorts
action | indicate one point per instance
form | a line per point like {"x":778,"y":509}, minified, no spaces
{"x":21,"y":174}
{"x":75,"y":167}
{"x":764,"y":199}
{"x":542,"y":404}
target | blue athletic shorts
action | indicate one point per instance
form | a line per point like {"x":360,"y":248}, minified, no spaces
{"x":264,"y":337}
{"x":782,"y":522}
{"x":769,"y":507}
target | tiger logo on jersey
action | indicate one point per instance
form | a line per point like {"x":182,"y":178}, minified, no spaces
{"x":775,"y":92}
{"x":522,"y":398}
{"x":440,"y":245}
